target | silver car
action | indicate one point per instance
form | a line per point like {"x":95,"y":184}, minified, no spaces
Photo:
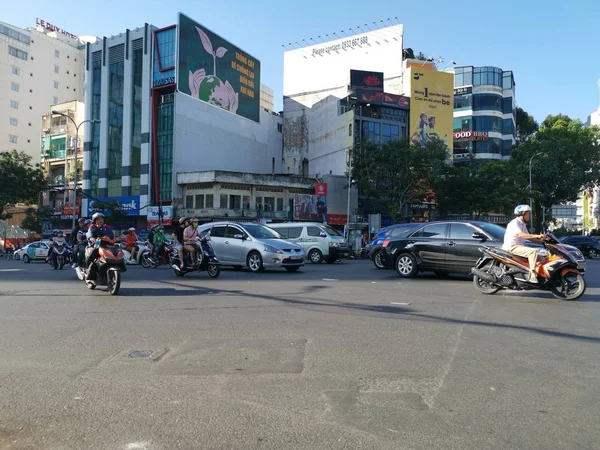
{"x":252,"y":245}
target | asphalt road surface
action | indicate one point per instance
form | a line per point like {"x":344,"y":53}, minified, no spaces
{"x":340,"y":356}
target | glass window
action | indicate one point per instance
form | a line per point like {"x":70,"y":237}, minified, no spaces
{"x":491,"y":102}
{"x":462,"y":102}
{"x":231,"y":232}
{"x":56,"y":85}
{"x":507,"y":106}
{"x":492,"y":145}
{"x":261,"y":232}
{"x":294,"y":233}
{"x":189,"y":202}
{"x":218,"y":231}
{"x":468,"y":76}
{"x":12,"y":51}
{"x":96,"y":84}
{"x":507,"y":126}
{"x":165,"y":145}
{"x":16,"y":70}
{"x":116,"y":73}
{"x":435,"y":231}
{"x":136,"y":117}
{"x":269,"y":203}
{"x":507,"y":146}
{"x":223,"y":201}
{"x":14,"y":34}
{"x":14,"y":87}
{"x":13,"y":121}
{"x":209,"y":201}
{"x":462,"y":146}
{"x":461,"y":231}
{"x":199,"y":201}
{"x":55,"y":100}
{"x":56,"y":54}
{"x":14,"y":104}
{"x":350,"y":130}
{"x":462,"y":123}
{"x":459,"y":79}
{"x":487,"y":123}
{"x":56,"y":69}
{"x":313,"y":231}
{"x":279,"y":204}
{"x":12,"y":139}
{"x":235,"y":202}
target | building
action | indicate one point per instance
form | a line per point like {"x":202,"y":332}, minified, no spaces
{"x":484,"y":113}
{"x":61,"y":153}
{"x":39,"y":66}
{"x":267,"y":100}
{"x":155,"y":125}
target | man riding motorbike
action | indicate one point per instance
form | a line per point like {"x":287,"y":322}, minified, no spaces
{"x":131,"y":239}
{"x":516,"y":235}
{"x":80,"y":243}
{"x":159,"y":242}
{"x":96,"y":231}
{"x":189,"y":239}
{"x":58,"y":240}
{"x":178,"y":238}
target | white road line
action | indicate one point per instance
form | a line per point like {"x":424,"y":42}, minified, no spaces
{"x":399,"y":303}
{"x":330,"y":279}
{"x":11,"y":270}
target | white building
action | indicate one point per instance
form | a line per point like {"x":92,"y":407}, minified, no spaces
{"x":39,"y":67}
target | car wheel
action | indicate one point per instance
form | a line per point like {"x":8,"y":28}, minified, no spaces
{"x":592,"y":254}
{"x":378,"y":260}
{"x":26,"y":259}
{"x":406,"y":265}
{"x":254,"y":262}
{"x":315,"y":256}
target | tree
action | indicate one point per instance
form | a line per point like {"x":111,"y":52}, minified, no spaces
{"x":526,"y":125}
{"x":398,"y":172}
{"x":566,"y":159}
{"x":408,"y":53}
{"x":20,"y":181}
{"x":35,"y":216}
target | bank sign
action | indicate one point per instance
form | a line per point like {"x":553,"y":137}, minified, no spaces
{"x":130,"y":205}
{"x":213,"y":70}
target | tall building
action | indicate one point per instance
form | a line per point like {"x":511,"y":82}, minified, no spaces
{"x":484,"y":113}
{"x":39,"y":67}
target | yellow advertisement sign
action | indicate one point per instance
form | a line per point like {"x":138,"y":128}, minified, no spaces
{"x":431,"y":106}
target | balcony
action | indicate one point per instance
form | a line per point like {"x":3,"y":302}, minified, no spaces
{"x":59,"y":180}
{"x":233,"y":214}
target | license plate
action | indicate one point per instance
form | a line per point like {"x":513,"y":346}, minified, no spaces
{"x":295,"y":258}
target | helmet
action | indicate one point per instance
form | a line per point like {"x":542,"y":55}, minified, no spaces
{"x":81,"y":220}
{"x":97,"y":216}
{"x":87,"y":222}
{"x":60,"y":234}
{"x":522,"y":209}
{"x":193,"y":220}
{"x":131,"y":229}
{"x":182,"y":220}
{"x":161,"y":230}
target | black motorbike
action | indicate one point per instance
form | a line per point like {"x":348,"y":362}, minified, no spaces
{"x":206,"y":261}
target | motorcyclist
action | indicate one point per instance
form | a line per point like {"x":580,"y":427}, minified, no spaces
{"x":516,"y":235}
{"x":58,"y":240}
{"x":178,"y":238}
{"x":159,"y":240}
{"x":150,"y":240}
{"x":75,"y":241}
{"x":96,"y":231}
{"x":81,"y":244}
{"x":189,"y":239}
{"x":131,"y":239}
{"x":51,"y":250}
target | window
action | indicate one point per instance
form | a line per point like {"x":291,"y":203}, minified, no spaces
{"x":235,"y":202}
{"x":16,"y":70}
{"x":269,"y":203}
{"x":56,"y":54}
{"x":209,"y":201}
{"x":189,"y":202}
{"x":12,"y":138}
{"x":14,"y":104}
{"x":13,"y":121}
{"x":199,"y":201}
{"x":436,"y":231}
{"x":246,"y":202}
{"x":294,"y":233}
{"x":313,"y":231}
{"x":56,"y":85}
{"x":232,"y":231}
{"x":487,"y":76}
{"x":55,"y":100}
{"x":462,"y":123}
{"x":490,"y":102}
{"x":350,"y":130}
{"x":223,"y":201}
{"x":462,"y":102}
{"x":12,"y":51}
{"x":279,"y":127}
{"x":279,"y":204}
{"x":14,"y":87}
{"x":463,"y":76}
{"x":487,"y":123}
{"x":507,"y":126}
{"x":492,"y":145}
{"x":461,"y":231}
{"x":56,"y":69}
{"x":218,"y":231}
{"x":14,"y":34}
{"x":507,"y":105}
{"x":259,"y":203}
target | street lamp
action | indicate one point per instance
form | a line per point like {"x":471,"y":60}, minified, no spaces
{"x":530,"y":187}
{"x":75,"y":155}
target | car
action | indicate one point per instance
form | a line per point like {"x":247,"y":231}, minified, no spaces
{"x":375,"y":247}
{"x":448,"y":247}
{"x":320,"y":242}
{"x":36,"y":251}
{"x":252,"y":245}
{"x":588,"y":245}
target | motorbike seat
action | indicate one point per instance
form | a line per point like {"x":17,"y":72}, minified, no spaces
{"x":510,"y":255}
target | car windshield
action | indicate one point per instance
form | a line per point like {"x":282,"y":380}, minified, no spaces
{"x":330,"y":230}
{"x":262,"y":232}
{"x":496,"y":231}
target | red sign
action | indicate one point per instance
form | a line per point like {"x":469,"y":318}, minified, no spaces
{"x":383,"y":98}
{"x":337,"y":219}
{"x":462,"y":134}
{"x":50,"y":27}
{"x":371,"y":81}
{"x":320,"y":188}
{"x":480,"y":135}
{"x":473,"y":135}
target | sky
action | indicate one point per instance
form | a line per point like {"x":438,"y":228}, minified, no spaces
{"x":550,"y":45}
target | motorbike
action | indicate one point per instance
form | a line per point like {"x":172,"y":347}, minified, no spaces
{"x":206,"y":261}
{"x":155,"y":261}
{"x":557,"y":273}
{"x":61,"y":255}
{"x":109,"y":265}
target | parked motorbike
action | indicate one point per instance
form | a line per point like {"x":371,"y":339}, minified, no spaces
{"x":557,"y":273}
{"x":206,"y":261}
{"x":108,"y":266}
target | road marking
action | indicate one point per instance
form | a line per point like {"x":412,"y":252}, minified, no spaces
{"x":330,"y":279}
{"x":11,"y":270}
{"x":399,"y":303}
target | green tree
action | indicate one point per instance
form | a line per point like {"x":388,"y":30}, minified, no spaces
{"x":526,"y":125}
{"x":566,"y":159}
{"x":20,"y":181}
{"x":35,"y":216}
{"x":398,"y":172}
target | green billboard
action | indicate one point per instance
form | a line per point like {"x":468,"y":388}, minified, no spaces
{"x":213,"y":70}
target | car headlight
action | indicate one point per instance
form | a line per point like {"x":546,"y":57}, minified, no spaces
{"x":271,"y":249}
{"x":334,"y":244}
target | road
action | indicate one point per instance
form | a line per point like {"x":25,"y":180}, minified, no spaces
{"x":333,"y":357}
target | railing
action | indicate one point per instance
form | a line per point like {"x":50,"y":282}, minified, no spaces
{"x":232,"y":213}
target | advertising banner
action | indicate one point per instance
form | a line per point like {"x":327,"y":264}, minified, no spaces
{"x":361,"y":79}
{"x":383,"y":99}
{"x":310,"y":207}
{"x":431,"y":106}
{"x":130,"y":205}
{"x":320,"y":188}
{"x":154,"y":215}
{"x":213,"y":70}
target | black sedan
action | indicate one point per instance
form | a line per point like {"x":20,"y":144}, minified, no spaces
{"x":588,"y":245}
{"x":445,"y":247}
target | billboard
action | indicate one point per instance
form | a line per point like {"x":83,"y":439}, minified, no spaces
{"x":154,"y":215}
{"x":361,"y":79}
{"x":130,"y":205}
{"x":383,"y":99}
{"x":310,"y":207}
{"x":431,"y":106}
{"x":213,"y":70}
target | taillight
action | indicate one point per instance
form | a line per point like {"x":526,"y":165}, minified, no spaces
{"x":385,"y":243}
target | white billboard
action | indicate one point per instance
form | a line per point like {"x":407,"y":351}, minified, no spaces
{"x":327,"y":65}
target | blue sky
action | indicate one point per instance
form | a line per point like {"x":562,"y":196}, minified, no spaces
{"x":550,"y":45}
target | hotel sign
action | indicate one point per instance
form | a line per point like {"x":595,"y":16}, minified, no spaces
{"x":48,"y":26}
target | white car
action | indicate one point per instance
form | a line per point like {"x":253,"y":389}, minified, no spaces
{"x":36,"y":251}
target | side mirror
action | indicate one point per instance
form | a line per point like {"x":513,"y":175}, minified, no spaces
{"x":239,"y":236}
{"x":480,"y":236}
{"x":322,"y":234}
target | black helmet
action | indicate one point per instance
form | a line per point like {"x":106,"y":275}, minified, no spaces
{"x":97,"y":216}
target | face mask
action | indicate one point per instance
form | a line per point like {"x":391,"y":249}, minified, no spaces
{"x":195,"y":225}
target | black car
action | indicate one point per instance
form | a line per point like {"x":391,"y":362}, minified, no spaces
{"x":588,"y":245}
{"x":393,"y":231}
{"x":446,"y":247}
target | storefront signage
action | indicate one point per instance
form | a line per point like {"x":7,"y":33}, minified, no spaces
{"x":320,"y":188}
{"x":129,"y":205}
{"x":462,"y":134}
{"x":473,"y":135}
{"x":337,"y":219}
{"x":361,"y":79}
{"x":164,"y":82}
{"x":383,"y":99}
{"x":487,"y":90}
{"x":463,"y":90}
{"x":48,"y":26}
{"x":154,"y":213}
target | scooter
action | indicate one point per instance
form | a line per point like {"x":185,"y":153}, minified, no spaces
{"x":558,"y":273}
{"x":206,"y":261}
{"x":61,"y":255}
{"x":108,"y":266}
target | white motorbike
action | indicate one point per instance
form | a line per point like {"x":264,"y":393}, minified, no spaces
{"x":142,"y":256}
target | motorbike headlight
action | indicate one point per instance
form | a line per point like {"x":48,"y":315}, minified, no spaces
{"x":271,"y":249}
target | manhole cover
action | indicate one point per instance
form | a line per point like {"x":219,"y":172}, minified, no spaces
{"x":140,"y":353}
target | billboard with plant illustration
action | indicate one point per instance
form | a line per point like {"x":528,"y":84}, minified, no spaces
{"x":213,"y":70}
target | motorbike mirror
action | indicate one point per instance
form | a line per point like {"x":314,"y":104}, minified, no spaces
{"x":478,"y":235}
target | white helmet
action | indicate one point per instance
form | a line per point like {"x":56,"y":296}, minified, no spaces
{"x":131,"y":229}
{"x":522,"y":209}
